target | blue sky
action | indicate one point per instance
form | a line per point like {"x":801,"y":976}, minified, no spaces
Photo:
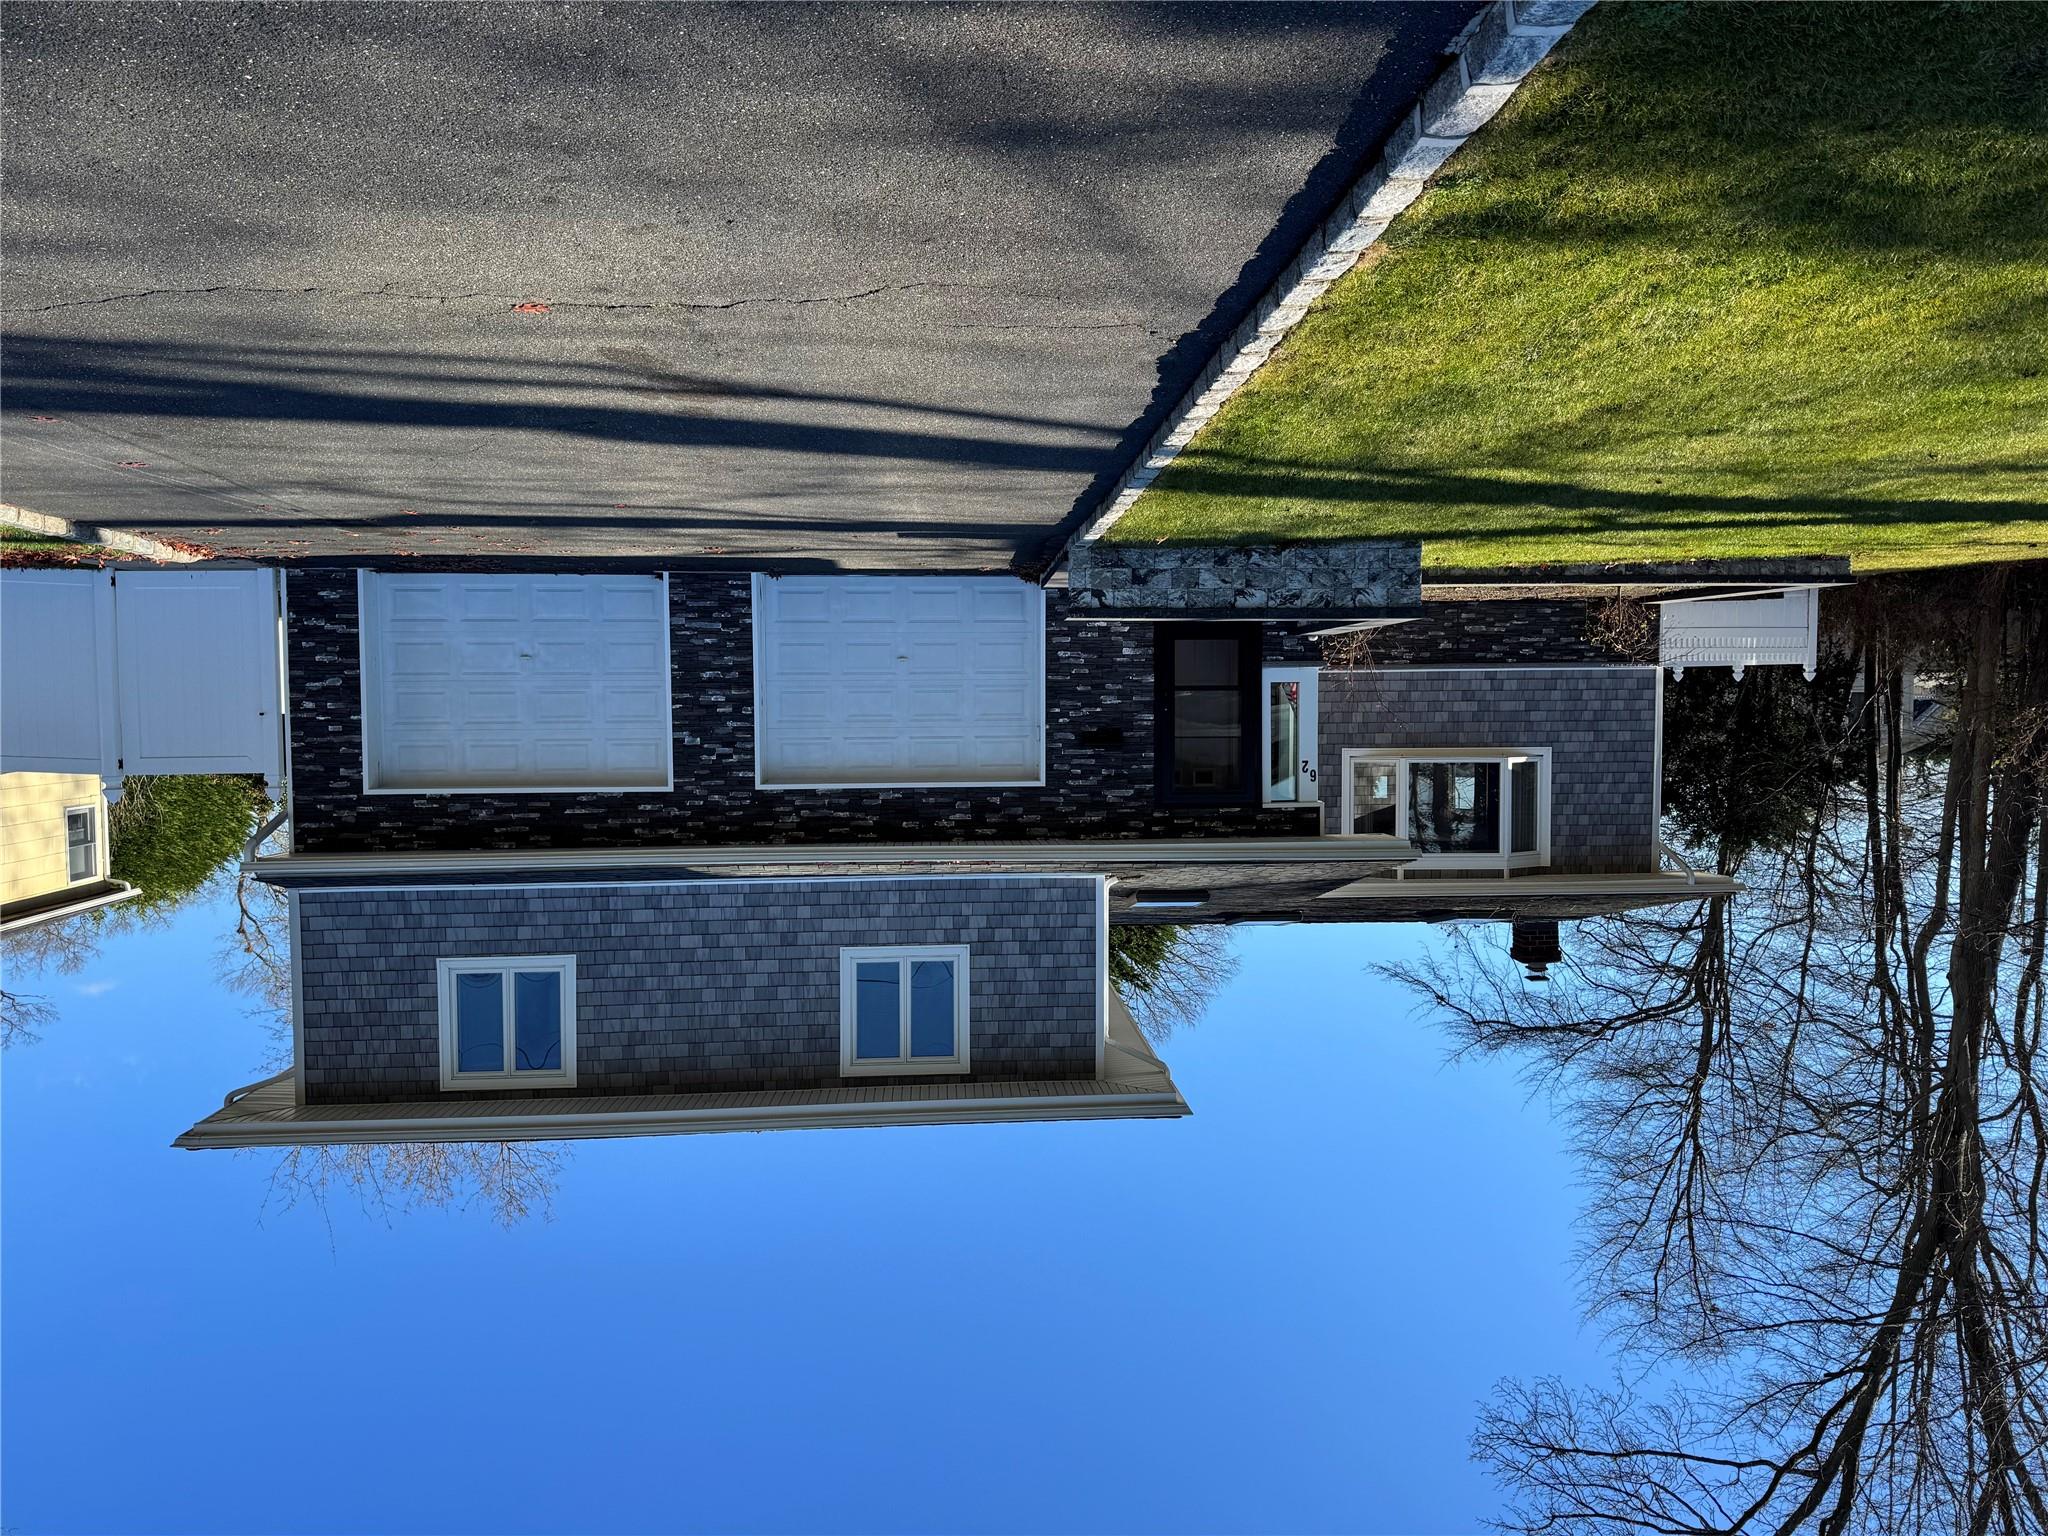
{"x":1276,"y":1315}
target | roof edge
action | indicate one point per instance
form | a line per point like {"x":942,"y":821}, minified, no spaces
{"x":224,"y":1130}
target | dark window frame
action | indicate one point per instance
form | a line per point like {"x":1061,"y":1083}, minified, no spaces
{"x":1249,"y":641}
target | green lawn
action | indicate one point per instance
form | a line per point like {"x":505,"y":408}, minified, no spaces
{"x":18,"y":546}
{"x":1721,"y":280}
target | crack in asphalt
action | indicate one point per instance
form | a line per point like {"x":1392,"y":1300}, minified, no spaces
{"x":386,"y":292}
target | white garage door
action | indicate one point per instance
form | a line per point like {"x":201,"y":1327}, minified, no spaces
{"x":899,"y":680}
{"x":516,"y":682}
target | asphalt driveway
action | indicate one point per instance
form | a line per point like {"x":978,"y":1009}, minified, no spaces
{"x":867,"y":286}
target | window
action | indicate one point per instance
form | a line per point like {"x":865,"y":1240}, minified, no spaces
{"x":81,"y":844}
{"x":1208,"y":679}
{"x":903,"y":1010}
{"x":1461,"y":809}
{"x":1290,"y":735}
{"x":508,"y":1023}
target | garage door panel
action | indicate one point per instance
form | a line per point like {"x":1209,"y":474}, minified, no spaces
{"x":937,"y":708}
{"x":1002,"y":658}
{"x":511,"y":682}
{"x":488,"y":599}
{"x":940,"y":752}
{"x":864,"y":602}
{"x":933,"y":657}
{"x":899,"y":680}
{"x":868,"y":753}
{"x":993,"y":751}
{"x":497,"y":657}
{"x":999,"y":604}
{"x":935,"y":604}
{"x":559,"y":707}
{"x":553,"y":601}
{"x":633,"y":604}
{"x":430,"y":706}
{"x":419,"y":603}
{"x":639,"y":658}
{"x":631,"y":706}
{"x":476,"y":706}
{"x":565,"y":755}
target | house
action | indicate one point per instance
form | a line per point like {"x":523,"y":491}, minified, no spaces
{"x":656,"y":833}
{"x":53,"y":848}
{"x":574,"y":854}
{"x":493,"y":1010}
{"x":650,"y":713}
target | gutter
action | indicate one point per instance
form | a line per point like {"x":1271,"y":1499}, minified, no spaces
{"x":941,"y":858}
{"x":58,"y":914}
{"x":579,"y":1126}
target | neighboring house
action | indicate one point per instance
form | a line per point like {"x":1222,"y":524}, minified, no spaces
{"x":1750,"y":628}
{"x":53,"y":848}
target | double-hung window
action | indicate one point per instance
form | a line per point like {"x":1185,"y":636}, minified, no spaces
{"x":1461,"y":808}
{"x":81,"y":844}
{"x":903,"y":1009}
{"x":508,"y":1022}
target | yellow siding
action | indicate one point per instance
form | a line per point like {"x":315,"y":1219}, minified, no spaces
{"x":32,"y":806}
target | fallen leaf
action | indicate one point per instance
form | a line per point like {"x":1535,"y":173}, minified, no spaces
{"x":530,"y":308}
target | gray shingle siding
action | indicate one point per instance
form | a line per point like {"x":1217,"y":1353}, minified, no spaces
{"x":1099,"y":751}
{"x":1599,"y":722}
{"x":692,"y":988}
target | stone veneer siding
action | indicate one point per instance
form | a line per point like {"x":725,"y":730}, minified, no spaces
{"x":1099,"y":682}
{"x":1340,"y":575}
{"x":1599,"y":722}
{"x":705,"y":987}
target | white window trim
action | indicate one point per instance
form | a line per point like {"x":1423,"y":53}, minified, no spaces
{"x":91,"y":813}
{"x":849,"y":1065}
{"x":1307,"y":791}
{"x":1401,"y":757}
{"x":446,"y":970}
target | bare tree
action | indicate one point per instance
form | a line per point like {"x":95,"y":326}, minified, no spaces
{"x":62,"y":948}
{"x":1816,"y":1139}
{"x":510,"y":1180}
{"x":254,"y":959}
{"x":1167,"y":974}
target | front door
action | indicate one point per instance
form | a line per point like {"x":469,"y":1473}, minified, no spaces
{"x":1209,"y":726}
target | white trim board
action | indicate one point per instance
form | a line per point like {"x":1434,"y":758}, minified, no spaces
{"x":1448,"y":892}
{"x":1021,"y":858}
{"x":1511,"y":666}
{"x":576,"y":1120}
{"x":778,"y":882}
